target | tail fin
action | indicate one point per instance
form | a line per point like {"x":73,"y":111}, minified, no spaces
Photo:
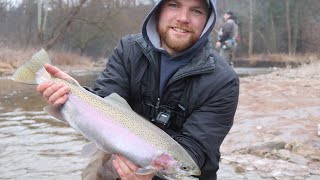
{"x":26,"y":73}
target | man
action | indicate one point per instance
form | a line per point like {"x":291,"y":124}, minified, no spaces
{"x":227,"y":37}
{"x":170,"y":69}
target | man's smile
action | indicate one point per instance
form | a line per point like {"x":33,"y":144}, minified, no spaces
{"x":180,"y":30}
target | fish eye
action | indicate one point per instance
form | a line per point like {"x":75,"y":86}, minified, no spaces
{"x":184,"y":168}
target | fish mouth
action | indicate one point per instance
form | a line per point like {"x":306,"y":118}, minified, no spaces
{"x":192,"y":174}
{"x":195,"y":172}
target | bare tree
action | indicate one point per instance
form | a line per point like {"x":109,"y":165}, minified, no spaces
{"x":65,"y":26}
{"x":250,"y":44}
{"x":42,"y":20}
{"x":289,"y":29}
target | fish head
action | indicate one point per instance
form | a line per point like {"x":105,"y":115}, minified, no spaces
{"x":171,"y":168}
{"x":183,"y":170}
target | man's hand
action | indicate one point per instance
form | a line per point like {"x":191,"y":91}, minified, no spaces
{"x":126,"y":169}
{"x":54,"y":94}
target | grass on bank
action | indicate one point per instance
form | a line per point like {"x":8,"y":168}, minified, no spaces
{"x":10,"y":59}
{"x":298,"y":58}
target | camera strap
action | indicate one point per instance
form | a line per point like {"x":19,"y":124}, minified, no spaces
{"x":178,"y":114}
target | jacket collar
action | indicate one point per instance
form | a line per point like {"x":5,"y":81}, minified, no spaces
{"x":201,"y":62}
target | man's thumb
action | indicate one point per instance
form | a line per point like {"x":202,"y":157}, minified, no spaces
{"x":54,"y":71}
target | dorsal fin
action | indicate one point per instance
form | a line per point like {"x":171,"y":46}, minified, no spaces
{"x":114,"y":98}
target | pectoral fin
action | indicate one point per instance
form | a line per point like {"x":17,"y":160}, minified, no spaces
{"x":145,"y":171}
{"x":89,"y":150}
{"x":55,"y":112}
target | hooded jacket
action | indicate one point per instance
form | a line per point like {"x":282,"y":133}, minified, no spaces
{"x":200,"y":96}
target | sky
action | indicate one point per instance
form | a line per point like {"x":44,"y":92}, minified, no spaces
{"x":137,"y":1}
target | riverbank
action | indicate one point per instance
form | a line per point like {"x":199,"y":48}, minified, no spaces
{"x":276,"y":129}
{"x":11,"y":59}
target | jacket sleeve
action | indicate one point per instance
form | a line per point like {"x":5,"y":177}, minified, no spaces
{"x":206,"y":128}
{"x":227,"y":31}
{"x":114,"y":78}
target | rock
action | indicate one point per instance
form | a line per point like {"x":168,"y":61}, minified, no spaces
{"x":315,"y":157}
{"x":266,"y":149}
{"x":226,"y":160}
{"x":284,"y":154}
{"x":292,"y":146}
{"x":313,"y":177}
{"x":227,"y":172}
{"x":298,"y":159}
{"x":275,"y":174}
{"x":313,"y":168}
{"x":240,"y":168}
{"x":303,"y":149}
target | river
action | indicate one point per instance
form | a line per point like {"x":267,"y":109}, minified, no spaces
{"x":33,"y":145}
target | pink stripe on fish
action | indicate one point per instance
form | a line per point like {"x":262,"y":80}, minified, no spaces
{"x":109,"y":134}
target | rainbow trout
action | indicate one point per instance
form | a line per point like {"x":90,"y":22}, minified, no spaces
{"x":113,"y":126}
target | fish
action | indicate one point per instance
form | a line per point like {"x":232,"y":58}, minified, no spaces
{"x":112,"y":126}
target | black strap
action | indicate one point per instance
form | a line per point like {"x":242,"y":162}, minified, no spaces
{"x":178,"y":114}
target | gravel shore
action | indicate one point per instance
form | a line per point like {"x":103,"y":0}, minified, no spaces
{"x":276,"y":129}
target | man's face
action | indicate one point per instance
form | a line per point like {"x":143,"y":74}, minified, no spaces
{"x":226,"y":16}
{"x":181,"y":23}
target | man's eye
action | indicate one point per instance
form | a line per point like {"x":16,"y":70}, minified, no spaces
{"x":173,"y":5}
{"x":197,"y":12}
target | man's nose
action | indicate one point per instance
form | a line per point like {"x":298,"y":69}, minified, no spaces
{"x":183,"y":16}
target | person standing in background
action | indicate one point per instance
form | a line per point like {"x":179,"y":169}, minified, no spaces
{"x":227,"y":37}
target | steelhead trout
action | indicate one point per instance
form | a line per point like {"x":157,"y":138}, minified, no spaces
{"x":113,"y":126}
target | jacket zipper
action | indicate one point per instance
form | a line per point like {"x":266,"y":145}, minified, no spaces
{"x":156,"y":73}
{"x":176,"y":78}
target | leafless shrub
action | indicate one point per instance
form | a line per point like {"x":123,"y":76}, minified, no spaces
{"x":16,"y":57}
{"x":299,"y":58}
{"x":70,"y":59}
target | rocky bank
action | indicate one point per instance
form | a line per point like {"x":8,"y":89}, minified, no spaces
{"x":276,"y":132}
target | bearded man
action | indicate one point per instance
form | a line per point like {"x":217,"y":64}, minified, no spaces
{"x":170,"y":68}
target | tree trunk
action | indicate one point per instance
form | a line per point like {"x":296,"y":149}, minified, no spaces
{"x":287,"y":6}
{"x":42,"y":20}
{"x":274,"y":36}
{"x":65,"y":27}
{"x":250,"y":48}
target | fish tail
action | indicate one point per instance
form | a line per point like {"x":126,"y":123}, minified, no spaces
{"x":30,"y":71}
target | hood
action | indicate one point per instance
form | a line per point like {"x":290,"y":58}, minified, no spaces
{"x":150,"y":34}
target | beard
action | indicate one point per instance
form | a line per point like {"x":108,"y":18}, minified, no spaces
{"x":176,"y":44}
